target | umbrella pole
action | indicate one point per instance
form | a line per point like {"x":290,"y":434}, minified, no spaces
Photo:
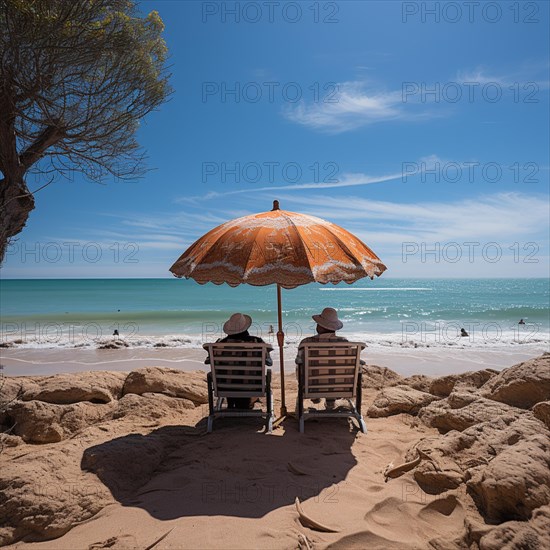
{"x":281,"y":341}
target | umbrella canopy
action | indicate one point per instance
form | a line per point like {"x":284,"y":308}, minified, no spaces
{"x":278,"y":247}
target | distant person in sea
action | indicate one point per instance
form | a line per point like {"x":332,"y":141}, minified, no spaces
{"x":463,"y":333}
{"x":115,"y":333}
{"x":236,"y":328}
{"x":327,"y":325}
{"x":521,"y":322}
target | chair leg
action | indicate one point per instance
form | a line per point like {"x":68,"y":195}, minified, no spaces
{"x":269,"y":402}
{"x":210,"y":385}
{"x":210,"y":388}
{"x":269,"y":428}
{"x":362,"y":424}
{"x":359,"y":401}
{"x":300,"y":410}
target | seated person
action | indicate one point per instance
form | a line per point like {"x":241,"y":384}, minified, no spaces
{"x":327,"y":325}
{"x":236,"y":328}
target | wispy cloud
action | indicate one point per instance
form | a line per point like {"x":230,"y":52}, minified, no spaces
{"x":347,"y":179}
{"x":385,"y":225}
{"x":497,"y":217}
{"x":480,"y":76}
{"x":160,"y":233}
{"x":500,"y":217}
{"x":534,"y":74}
{"x":358,"y":104}
{"x":355,"y":105}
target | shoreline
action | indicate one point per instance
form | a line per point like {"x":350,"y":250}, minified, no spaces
{"x":405,"y":361}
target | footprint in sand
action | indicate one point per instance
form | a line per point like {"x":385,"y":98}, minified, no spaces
{"x":441,"y":506}
{"x":442,"y":516}
{"x":388,"y":449}
{"x":121,"y":541}
{"x":375,"y":488}
{"x":370,"y":540}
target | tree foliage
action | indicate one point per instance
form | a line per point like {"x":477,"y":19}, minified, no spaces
{"x":76,"y":78}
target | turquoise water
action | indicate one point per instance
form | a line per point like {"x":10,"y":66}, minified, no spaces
{"x":79,"y":312}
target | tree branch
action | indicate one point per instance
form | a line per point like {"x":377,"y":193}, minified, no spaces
{"x":50,"y":136}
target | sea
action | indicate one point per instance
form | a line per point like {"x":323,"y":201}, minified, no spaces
{"x":172,"y":313}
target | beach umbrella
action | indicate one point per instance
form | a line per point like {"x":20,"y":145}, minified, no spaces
{"x":278,"y":247}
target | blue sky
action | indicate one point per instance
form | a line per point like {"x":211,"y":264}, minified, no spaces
{"x":334,"y":119}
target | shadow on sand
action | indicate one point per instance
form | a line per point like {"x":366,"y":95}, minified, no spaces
{"x":176,"y":471}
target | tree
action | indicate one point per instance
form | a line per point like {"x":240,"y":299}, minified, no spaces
{"x":76,"y":78}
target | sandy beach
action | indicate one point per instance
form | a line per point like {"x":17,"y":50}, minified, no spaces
{"x":111,"y":459}
{"x":428,"y":361}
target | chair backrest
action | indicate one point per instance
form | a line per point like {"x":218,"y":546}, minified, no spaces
{"x":238,"y":369}
{"x":331,"y":369}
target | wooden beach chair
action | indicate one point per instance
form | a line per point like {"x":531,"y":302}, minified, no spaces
{"x":238,"y":370}
{"x":331,"y":370}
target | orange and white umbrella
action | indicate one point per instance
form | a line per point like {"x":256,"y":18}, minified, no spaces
{"x":278,"y":247}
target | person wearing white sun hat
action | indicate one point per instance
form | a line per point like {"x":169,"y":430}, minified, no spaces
{"x":236,"y":328}
{"x":327,"y":325}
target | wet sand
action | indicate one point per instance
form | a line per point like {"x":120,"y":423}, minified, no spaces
{"x":432,"y":362}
